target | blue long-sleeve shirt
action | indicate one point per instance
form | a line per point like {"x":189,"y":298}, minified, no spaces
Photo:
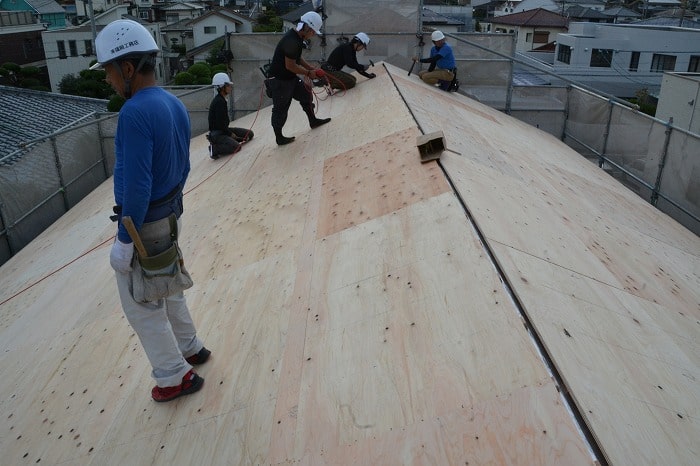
{"x":152,"y":147}
{"x":441,"y":57}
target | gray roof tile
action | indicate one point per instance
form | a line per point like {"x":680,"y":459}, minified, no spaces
{"x":26,"y":115}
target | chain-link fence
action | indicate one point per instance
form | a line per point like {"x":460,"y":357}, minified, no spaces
{"x":658,"y":161}
{"x":42,"y":180}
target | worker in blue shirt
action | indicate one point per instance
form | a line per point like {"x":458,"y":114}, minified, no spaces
{"x":152,"y":144}
{"x":442,"y":61}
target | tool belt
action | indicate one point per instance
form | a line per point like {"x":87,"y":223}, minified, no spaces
{"x":162,"y":273}
{"x":158,"y":209}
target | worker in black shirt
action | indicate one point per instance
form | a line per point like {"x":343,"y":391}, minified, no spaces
{"x":224,"y":140}
{"x":284,"y":84}
{"x":346,"y":55}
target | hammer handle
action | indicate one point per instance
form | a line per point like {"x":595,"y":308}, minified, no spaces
{"x":409,"y":71}
{"x":131,"y":229}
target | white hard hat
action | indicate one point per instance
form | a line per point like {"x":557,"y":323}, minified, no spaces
{"x":314,"y":21}
{"x":120,"y":38}
{"x":436,"y":36}
{"x":362,"y":37}
{"x":220,"y":79}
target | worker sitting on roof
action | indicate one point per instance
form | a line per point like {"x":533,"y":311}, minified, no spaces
{"x":224,"y":140}
{"x":442,"y":62}
{"x":346,"y":55}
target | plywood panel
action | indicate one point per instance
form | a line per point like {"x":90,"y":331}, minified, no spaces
{"x":375,"y":180}
{"x":610,"y":284}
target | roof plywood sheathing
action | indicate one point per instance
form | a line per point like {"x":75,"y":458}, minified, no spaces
{"x":366,"y":308}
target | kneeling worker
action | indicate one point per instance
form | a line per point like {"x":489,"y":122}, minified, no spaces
{"x":224,"y":140}
{"x":346,"y":55}
{"x":442,"y":61}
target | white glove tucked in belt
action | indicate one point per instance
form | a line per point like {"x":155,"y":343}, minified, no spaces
{"x":120,"y":256}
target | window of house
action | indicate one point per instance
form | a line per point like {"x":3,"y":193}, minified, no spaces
{"x":601,"y":58}
{"x":73,"y":46}
{"x":564,"y":53}
{"x":143,"y":14}
{"x":661,"y":63}
{"x":88,"y":48}
{"x":61,"y":49}
{"x":528,"y":37}
{"x":541,"y":37}
{"x":634,"y":61}
{"x":209,"y":29}
{"x":27,"y":47}
{"x":694,"y":65}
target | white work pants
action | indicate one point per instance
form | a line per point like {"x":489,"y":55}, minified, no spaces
{"x":165,"y":329}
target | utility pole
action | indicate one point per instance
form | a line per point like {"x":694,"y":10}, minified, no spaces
{"x":92,"y":24}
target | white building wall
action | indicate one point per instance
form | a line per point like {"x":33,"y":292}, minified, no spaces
{"x":680,"y":99}
{"x":73,"y":64}
{"x":202,"y":31}
{"x":624,"y":40}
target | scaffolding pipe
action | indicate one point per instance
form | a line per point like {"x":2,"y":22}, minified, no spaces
{"x":59,"y":172}
{"x":662,"y":163}
{"x":606,"y":134}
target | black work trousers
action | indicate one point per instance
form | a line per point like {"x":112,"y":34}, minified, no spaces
{"x":283,"y":91}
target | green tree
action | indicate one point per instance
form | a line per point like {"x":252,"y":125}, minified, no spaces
{"x":184,"y":78}
{"x":28,"y":77}
{"x":115,"y":103}
{"x":201,"y":72}
{"x":213,"y":57}
{"x":89,"y":83}
{"x":268,"y":22}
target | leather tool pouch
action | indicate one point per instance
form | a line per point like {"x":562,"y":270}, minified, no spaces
{"x":160,"y":275}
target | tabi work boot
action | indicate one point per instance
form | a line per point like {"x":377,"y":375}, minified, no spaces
{"x":281,"y":139}
{"x":191,"y":383}
{"x":199,"y":358}
{"x":316,"y":122}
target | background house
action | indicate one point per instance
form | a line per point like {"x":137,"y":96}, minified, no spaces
{"x":47,"y":11}
{"x":621,"y":59}
{"x":532,"y":29}
{"x":20,"y":33}
{"x":200,"y":35}
{"x":70,"y":50}
{"x":174,"y":12}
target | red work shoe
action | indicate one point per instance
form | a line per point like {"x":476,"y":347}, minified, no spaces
{"x":191,"y":383}
{"x":199,"y":358}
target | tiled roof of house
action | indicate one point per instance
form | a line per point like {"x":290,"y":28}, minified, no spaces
{"x":431,"y":18}
{"x":661,"y":21}
{"x":26,"y":115}
{"x":533,"y":18}
{"x":621,"y":12}
{"x":582,"y":12}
